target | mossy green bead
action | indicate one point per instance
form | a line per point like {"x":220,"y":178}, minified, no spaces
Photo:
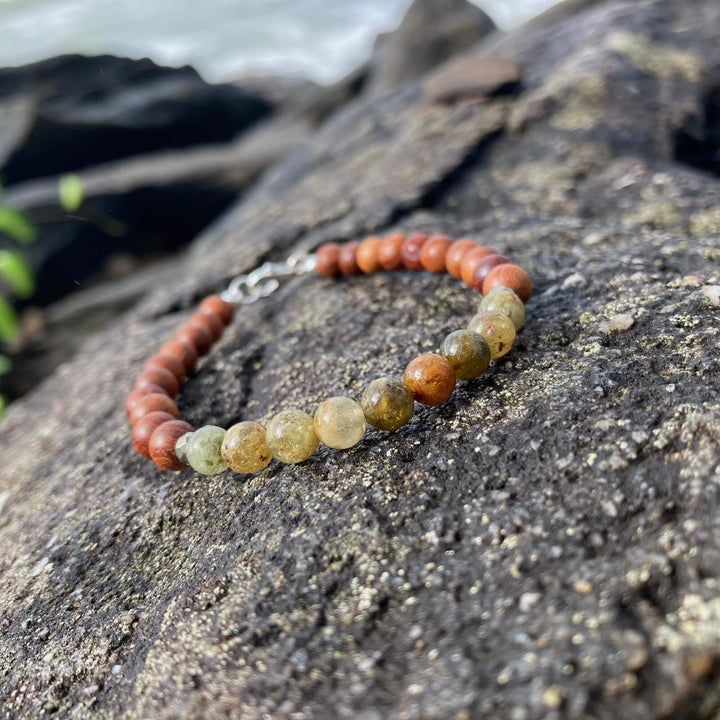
{"x":245,"y":448}
{"x":339,"y":422}
{"x":496,"y":329}
{"x":181,"y":447}
{"x":387,"y":403}
{"x":204,"y":454}
{"x":505,"y":301}
{"x":467,"y":352}
{"x":291,"y":437}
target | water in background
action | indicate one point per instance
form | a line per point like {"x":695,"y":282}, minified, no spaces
{"x":223,"y":39}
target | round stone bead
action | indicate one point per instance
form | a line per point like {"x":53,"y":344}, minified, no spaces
{"x":512,"y":276}
{"x":145,"y":427}
{"x":204,"y":450}
{"x":347,"y":259}
{"x":454,"y":256}
{"x":153,"y":402}
{"x":182,"y":351}
{"x":163,"y":441}
{"x":387,"y":403}
{"x":503,"y":300}
{"x":326,"y":260}
{"x":339,"y":422}
{"x":291,"y":437}
{"x":497,"y":330}
{"x":136,"y":396}
{"x":467,"y":352}
{"x":198,"y":337}
{"x":430,"y":378}
{"x":207,"y":320}
{"x":244,"y":447}
{"x":411,"y":250}
{"x":181,"y":447}
{"x":483,"y":268}
{"x":389,"y":255}
{"x":215,"y":305}
{"x":432,"y":255}
{"x":367,"y":255}
{"x":158,"y":376}
{"x":169,"y":362}
{"x":470,"y":260}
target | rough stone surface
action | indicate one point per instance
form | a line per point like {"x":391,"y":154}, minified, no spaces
{"x":542,"y":546}
{"x":472,"y":78}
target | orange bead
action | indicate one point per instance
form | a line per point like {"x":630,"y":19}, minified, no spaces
{"x":161,"y":447}
{"x":153,"y":402}
{"x":138,"y":394}
{"x":161,"y":376}
{"x":430,"y":378}
{"x":432,"y":255}
{"x":389,"y":255}
{"x":326,"y":260}
{"x":169,"y":362}
{"x":511,"y":276}
{"x":215,"y":305}
{"x":367,"y":255}
{"x":410,"y":251}
{"x":347,"y":259}
{"x":455,"y":253}
{"x":199,"y":338}
{"x":212,"y":322}
{"x":145,"y":427}
{"x":187,"y":354}
{"x":470,"y":261}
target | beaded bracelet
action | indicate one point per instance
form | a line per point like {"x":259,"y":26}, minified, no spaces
{"x":387,"y":403}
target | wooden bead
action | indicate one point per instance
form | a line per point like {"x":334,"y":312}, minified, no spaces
{"x":145,"y":427}
{"x":347,"y":259}
{"x":215,"y":305}
{"x":483,"y":268}
{"x":153,"y":402}
{"x":410,"y":251}
{"x":511,"y":276}
{"x":169,"y":362}
{"x":430,"y":378}
{"x":162,"y":444}
{"x":212,"y":322}
{"x":199,"y":338}
{"x":432,"y":255}
{"x":187,"y":354}
{"x":367,"y":255}
{"x":389,"y":255}
{"x":326,"y":260}
{"x":454,"y":255}
{"x":470,"y":261}
{"x":138,"y":394}
{"x":160,"y":376}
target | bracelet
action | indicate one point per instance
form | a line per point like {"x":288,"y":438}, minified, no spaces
{"x":387,"y":403}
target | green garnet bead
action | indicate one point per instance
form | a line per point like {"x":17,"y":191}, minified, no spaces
{"x":387,"y":403}
{"x":339,"y":422}
{"x":467,"y":352}
{"x":497,"y":330}
{"x":291,"y":437}
{"x":504,"y":301}
{"x":245,"y":448}
{"x":203,"y":450}
{"x":181,"y":448}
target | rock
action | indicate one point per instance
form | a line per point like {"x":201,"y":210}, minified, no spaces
{"x":91,"y":110}
{"x":472,"y":78}
{"x":543,"y":545}
{"x":431,"y":32}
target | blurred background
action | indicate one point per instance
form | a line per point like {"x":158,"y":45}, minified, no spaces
{"x":127,"y":127}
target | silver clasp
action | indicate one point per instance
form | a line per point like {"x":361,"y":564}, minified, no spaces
{"x":265,"y":280}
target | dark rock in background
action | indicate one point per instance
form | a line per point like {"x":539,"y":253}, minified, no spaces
{"x":542,"y":547}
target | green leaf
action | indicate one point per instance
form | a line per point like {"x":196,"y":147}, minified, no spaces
{"x":71,"y":192}
{"x":9,"y":326}
{"x":3,"y":405}
{"x":16,"y":225}
{"x":5,"y":365}
{"x":14,"y":268}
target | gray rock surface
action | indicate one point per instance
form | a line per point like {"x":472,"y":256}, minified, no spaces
{"x":544,"y":545}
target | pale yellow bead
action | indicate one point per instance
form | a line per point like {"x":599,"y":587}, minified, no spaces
{"x":505,"y":301}
{"x":339,"y":422}
{"x":496,"y":329}
{"x":291,"y":437}
{"x":244,"y":447}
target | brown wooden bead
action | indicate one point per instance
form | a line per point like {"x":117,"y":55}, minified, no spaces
{"x":483,"y":268}
{"x":187,"y":354}
{"x":169,"y":362}
{"x":410,"y":251}
{"x":162,"y":444}
{"x":511,"y":276}
{"x":153,"y":402}
{"x":138,"y":394}
{"x":215,"y":305}
{"x":389,"y":255}
{"x":430,"y":378}
{"x":200,"y":338}
{"x":156,"y":375}
{"x":347,"y":259}
{"x":326,"y":260}
{"x":367,"y":255}
{"x":454,"y":255}
{"x":432,"y":255}
{"x":470,"y":261}
{"x":212,"y":322}
{"x":145,"y":427}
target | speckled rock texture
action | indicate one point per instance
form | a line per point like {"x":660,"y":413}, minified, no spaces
{"x":544,"y":545}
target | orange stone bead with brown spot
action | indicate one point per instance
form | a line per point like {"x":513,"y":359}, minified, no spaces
{"x":430,"y":378}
